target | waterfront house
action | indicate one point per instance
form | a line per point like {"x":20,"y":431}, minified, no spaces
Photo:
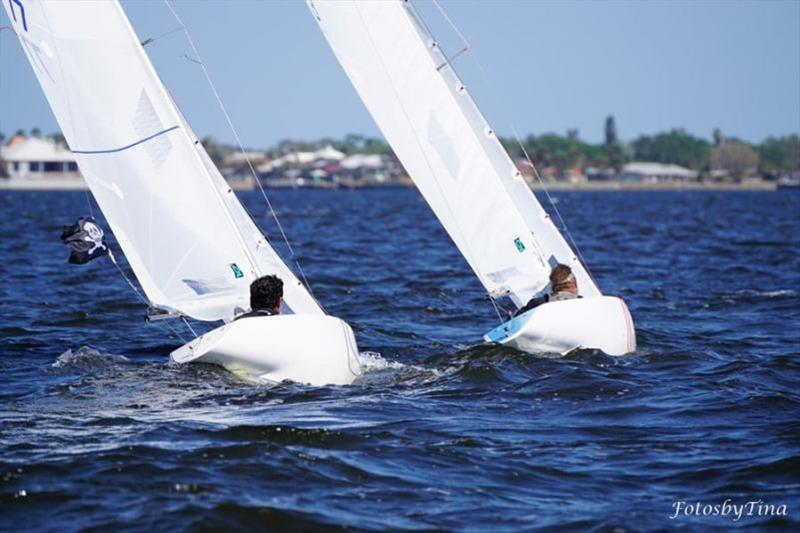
{"x":329,"y":154}
{"x":35,"y":158}
{"x":655,"y":172}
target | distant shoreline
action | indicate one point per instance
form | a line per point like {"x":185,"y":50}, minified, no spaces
{"x":80,"y":185}
{"x":60,"y":184}
{"x":658,"y":186}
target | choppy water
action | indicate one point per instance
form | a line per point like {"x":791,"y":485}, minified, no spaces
{"x":97,"y":430}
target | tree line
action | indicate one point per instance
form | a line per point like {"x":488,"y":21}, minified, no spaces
{"x":771,"y":158}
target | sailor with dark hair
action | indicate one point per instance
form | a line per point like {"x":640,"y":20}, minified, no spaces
{"x":266,"y":297}
{"x":565,"y":287}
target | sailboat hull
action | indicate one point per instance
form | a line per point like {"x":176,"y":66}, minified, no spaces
{"x":602,"y":323}
{"x":312,"y":349}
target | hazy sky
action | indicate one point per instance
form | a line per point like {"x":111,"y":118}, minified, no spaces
{"x":548,"y":66}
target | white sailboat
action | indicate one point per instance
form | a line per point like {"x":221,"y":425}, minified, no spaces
{"x":457,"y":162}
{"x":190,"y":243}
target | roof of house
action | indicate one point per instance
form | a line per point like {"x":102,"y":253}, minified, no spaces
{"x":238,"y":158}
{"x":362,"y":160}
{"x":35,"y":149}
{"x":298,"y":158}
{"x":330,"y":153}
{"x":658,"y":169}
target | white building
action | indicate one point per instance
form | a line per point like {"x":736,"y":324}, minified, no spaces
{"x":294,"y":158}
{"x":652,"y":172}
{"x":367,"y":161}
{"x":38,"y":158}
{"x":241,"y":158}
{"x":323,"y":156}
{"x":329,"y":153}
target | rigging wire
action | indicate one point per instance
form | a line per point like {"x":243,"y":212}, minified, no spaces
{"x":189,"y":326}
{"x":89,"y":201}
{"x":143,"y":298}
{"x":497,"y":308}
{"x":241,"y":148}
{"x":493,"y":93}
{"x":458,"y":32}
{"x":127,"y":279}
{"x":150,"y":40}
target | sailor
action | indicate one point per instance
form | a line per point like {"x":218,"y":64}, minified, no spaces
{"x":266,"y":297}
{"x":565,"y":287}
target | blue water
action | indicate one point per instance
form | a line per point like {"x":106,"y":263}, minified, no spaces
{"x":98,"y":430}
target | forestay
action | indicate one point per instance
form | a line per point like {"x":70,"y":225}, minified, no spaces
{"x":190,"y":242}
{"x":446,"y":145}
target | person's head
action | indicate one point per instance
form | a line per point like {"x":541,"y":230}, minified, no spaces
{"x":266,"y":293}
{"x":563,"y":280}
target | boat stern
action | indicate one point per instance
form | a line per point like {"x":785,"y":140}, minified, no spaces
{"x":602,"y":323}
{"x":312,"y":349}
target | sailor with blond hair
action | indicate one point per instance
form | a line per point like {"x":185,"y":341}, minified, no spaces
{"x":565,"y":287}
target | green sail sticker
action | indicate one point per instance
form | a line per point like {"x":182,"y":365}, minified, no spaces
{"x":237,"y":272}
{"x":520,"y":246}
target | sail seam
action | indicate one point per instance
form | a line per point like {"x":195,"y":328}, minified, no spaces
{"x":123,"y":148}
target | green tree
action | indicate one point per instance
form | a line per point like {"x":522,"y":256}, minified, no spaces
{"x":735,"y":156}
{"x":214,"y":150}
{"x":553,"y":150}
{"x":512,"y":147}
{"x":611,"y":130}
{"x":676,"y":146}
{"x":614,"y":153}
{"x":779,"y":154}
{"x":59,"y":139}
{"x":374,"y":145}
{"x":353,"y":143}
{"x":594,"y":155}
{"x":615,"y":156}
{"x":2,"y":163}
{"x":718,"y":138}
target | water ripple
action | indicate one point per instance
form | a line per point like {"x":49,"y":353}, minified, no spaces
{"x":99,"y":431}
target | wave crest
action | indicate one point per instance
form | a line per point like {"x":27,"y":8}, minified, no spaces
{"x":86,"y":357}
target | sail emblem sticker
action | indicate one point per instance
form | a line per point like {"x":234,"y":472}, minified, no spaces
{"x":520,"y":246}
{"x":237,"y":272}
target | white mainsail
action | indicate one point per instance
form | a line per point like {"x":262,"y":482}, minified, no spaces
{"x":447,"y":146}
{"x":191,"y":244}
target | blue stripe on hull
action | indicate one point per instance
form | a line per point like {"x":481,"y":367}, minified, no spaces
{"x":507,"y":329}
